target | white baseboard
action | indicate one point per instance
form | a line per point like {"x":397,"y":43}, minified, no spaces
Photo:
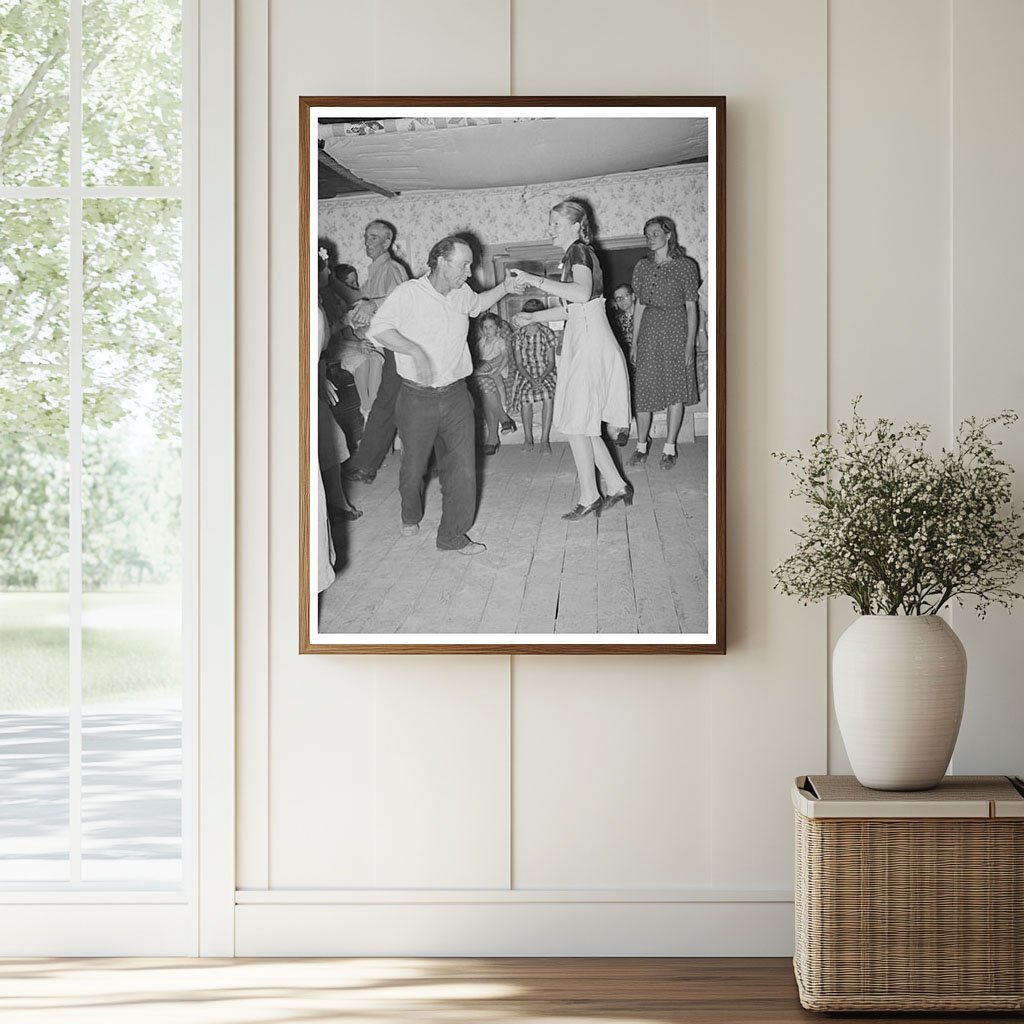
{"x":99,"y":928}
{"x":602,"y":928}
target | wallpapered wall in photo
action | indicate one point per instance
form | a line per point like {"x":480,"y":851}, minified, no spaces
{"x":621,"y":203}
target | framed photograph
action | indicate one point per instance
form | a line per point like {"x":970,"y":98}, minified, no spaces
{"x":512,"y":375}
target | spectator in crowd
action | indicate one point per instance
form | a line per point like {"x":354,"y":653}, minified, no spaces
{"x":534,"y":376}
{"x":332,"y":449}
{"x":664,"y":337}
{"x":493,"y":337}
{"x":324,"y":541}
{"x":624,"y":300}
{"x":385,"y":274}
{"x":345,"y":352}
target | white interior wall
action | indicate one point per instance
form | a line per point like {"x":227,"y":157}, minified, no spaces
{"x":544,"y":804}
{"x":984,"y":360}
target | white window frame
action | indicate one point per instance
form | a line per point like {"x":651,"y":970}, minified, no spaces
{"x":198,"y":918}
{"x":215,"y":192}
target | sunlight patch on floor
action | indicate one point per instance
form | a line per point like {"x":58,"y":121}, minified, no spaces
{"x":220,"y":991}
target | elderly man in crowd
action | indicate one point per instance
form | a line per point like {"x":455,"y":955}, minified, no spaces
{"x":384,"y":275}
{"x":624,"y":301}
{"x":425,"y":323}
{"x":625,"y":305}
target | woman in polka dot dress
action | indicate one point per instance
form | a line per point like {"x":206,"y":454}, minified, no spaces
{"x":664,"y":337}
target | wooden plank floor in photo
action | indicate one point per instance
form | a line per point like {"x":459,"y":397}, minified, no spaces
{"x":636,"y":570}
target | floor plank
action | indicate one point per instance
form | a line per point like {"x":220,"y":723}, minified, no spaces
{"x":687,"y":577}
{"x":634,"y":571}
{"x":655,"y":606}
{"x":493,"y":523}
{"x":539,"y":609}
{"x":432,"y":612}
{"x":506,"y":599}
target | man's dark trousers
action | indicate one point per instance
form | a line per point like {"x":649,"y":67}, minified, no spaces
{"x":441,"y":420}
{"x":346,"y":410}
{"x":379,"y":431}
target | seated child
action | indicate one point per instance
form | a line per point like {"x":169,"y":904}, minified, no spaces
{"x":534,"y":375}
{"x":493,"y":336}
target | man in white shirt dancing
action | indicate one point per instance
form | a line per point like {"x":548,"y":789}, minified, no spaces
{"x":425,"y":323}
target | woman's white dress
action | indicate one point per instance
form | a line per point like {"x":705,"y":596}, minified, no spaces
{"x":593,"y":382}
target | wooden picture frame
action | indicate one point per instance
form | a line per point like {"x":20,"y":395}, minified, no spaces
{"x":643,"y":579}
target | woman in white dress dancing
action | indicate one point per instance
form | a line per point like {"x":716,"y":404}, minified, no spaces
{"x":593,"y":383}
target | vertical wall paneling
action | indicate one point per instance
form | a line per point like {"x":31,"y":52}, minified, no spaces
{"x":444,"y":48}
{"x":320,"y":708}
{"x":611,"y":762}
{"x":632,"y":765}
{"x":769,"y":692}
{"x":442,"y":776}
{"x":252,"y":311}
{"x":579,"y":48}
{"x":324,"y":760}
{"x":888,"y":223}
{"x":987,"y":369}
{"x":889,"y":220}
{"x":613,"y":805}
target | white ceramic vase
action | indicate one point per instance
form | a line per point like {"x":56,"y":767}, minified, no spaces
{"x":898,"y":685}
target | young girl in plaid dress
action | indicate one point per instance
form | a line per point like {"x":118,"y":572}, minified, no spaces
{"x":534,"y":376}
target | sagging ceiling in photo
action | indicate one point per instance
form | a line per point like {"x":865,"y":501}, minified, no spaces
{"x":392,"y":156}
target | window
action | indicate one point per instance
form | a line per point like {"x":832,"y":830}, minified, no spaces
{"x":95,"y":458}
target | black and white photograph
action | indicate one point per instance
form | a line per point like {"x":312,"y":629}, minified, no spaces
{"x":512,"y":375}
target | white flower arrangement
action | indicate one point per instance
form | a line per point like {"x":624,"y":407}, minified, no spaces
{"x":899,"y":530}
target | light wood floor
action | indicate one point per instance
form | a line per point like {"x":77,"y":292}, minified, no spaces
{"x":415,"y":991}
{"x":637,"y":570}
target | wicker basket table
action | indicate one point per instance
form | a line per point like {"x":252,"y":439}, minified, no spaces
{"x":910,"y":901}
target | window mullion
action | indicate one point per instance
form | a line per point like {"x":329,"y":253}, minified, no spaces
{"x":75,"y":332}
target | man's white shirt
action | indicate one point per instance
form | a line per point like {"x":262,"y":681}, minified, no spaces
{"x":439,"y":323}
